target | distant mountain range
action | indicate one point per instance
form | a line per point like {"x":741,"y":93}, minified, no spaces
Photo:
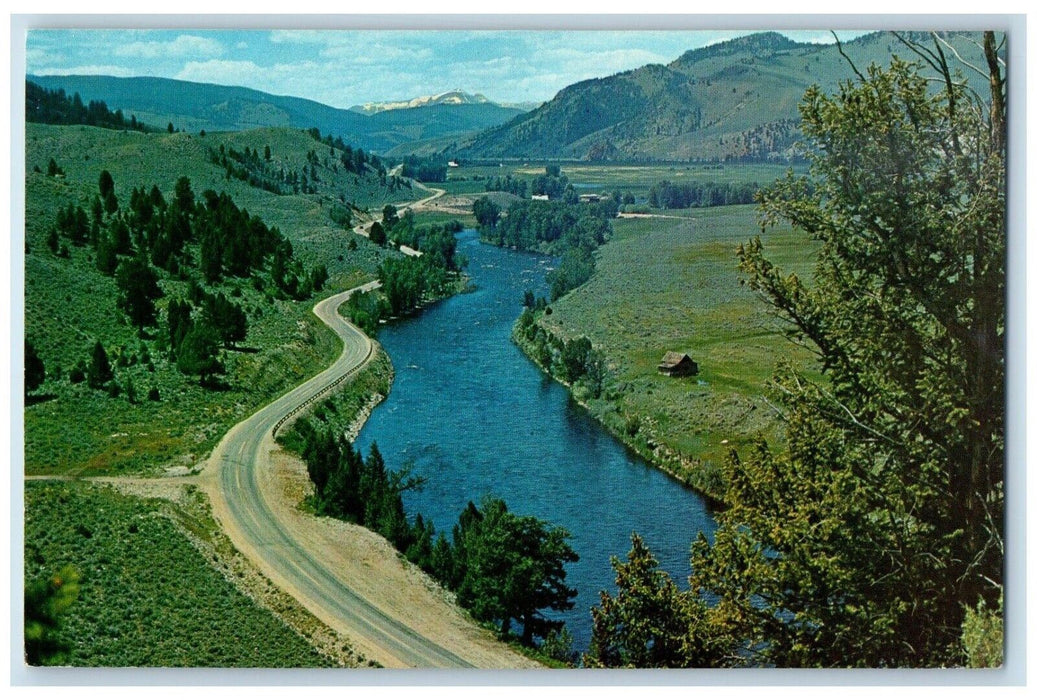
{"x":196,"y":106}
{"x":452,"y":97}
{"x":738,"y":98}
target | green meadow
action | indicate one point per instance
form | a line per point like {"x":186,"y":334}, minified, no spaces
{"x":673,"y":284}
{"x":602,"y":177}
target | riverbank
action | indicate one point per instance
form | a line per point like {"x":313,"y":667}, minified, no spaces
{"x":636,"y":433}
{"x":663,"y":285}
{"x":369,"y":562}
{"x":350,"y":578}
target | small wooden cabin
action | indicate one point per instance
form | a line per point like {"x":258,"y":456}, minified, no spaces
{"x":676,"y":364}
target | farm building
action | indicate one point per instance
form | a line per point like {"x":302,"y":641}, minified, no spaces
{"x":676,"y":364}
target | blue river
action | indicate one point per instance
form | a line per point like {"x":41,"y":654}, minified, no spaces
{"x":474,"y":416}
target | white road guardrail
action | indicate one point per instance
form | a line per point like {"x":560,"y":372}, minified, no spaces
{"x":325,"y":390}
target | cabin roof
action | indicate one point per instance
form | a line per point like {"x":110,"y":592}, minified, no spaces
{"x":672,"y":359}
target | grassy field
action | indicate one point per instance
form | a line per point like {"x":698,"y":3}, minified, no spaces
{"x":147,"y":596}
{"x":69,"y":305}
{"x":635,"y":179}
{"x":673,"y":284}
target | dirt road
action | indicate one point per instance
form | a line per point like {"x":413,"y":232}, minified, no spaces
{"x":348,"y":577}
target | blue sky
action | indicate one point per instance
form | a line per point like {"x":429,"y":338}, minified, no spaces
{"x":344,"y":68}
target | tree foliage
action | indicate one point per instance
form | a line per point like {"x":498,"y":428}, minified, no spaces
{"x":649,"y":622}
{"x":56,"y":107}
{"x":486,"y":212}
{"x":407,"y":282}
{"x":886,"y":511}
{"x":198,"y":353}
{"x":682,"y":195}
{"x":35,"y":372}
{"x":99,"y":372}
{"x":377,"y":234}
{"x":46,"y":601}
{"x":864,"y":539}
{"x":505,"y":568}
{"x":226,"y":318}
{"x":138,"y":290}
{"x":513,"y":566}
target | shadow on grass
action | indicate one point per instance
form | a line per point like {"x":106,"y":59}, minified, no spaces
{"x":32,"y":400}
{"x":242,"y":348}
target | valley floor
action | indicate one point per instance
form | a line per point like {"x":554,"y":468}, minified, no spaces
{"x":671,"y":283}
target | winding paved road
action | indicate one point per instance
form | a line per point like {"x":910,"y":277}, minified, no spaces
{"x":255,"y":526}
{"x":364,"y":229}
{"x":302,"y":558}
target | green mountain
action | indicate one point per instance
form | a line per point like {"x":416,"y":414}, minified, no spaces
{"x":197,"y":106}
{"x":738,"y":99}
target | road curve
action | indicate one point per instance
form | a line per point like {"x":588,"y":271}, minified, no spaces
{"x":364,"y":229}
{"x":255,"y":526}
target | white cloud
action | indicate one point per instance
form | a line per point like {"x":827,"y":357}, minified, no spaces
{"x":303,"y":79}
{"x":222,"y":72}
{"x":375,"y":53}
{"x":183,"y":45}
{"x":44,"y":57}
{"x":307,"y":36}
{"x":117,"y":71}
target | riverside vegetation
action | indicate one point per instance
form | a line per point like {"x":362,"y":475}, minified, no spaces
{"x":504,"y":568}
{"x":870,"y":532}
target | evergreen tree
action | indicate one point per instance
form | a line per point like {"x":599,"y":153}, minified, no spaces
{"x":111,"y":204}
{"x":138,"y":290}
{"x":906,"y":312}
{"x":389,"y":217}
{"x":227,"y":319}
{"x":649,"y":622}
{"x":197,"y":354}
{"x":183,"y":196}
{"x":107,"y":261}
{"x":514,"y":566}
{"x":46,"y":602}
{"x":377,"y":233}
{"x":35,"y":372}
{"x":178,"y":318}
{"x":868,"y":537}
{"x":100,"y":371}
{"x":105,"y":184}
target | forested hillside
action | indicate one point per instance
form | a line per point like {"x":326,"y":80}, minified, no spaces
{"x":168,"y":282}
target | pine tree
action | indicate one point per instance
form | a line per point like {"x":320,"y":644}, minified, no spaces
{"x":197,"y":354}
{"x":35,"y":372}
{"x":138,"y":290}
{"x":99,"y":372}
